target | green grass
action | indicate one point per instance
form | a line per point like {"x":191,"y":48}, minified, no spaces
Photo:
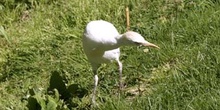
{"x":38,"y":38}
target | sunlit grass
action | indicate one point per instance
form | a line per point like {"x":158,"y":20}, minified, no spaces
{"x":40,"y":37}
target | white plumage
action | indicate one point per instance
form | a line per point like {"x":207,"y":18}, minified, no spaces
{"x":101,"y":42}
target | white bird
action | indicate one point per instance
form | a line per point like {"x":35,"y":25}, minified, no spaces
{"x":101,"y":42}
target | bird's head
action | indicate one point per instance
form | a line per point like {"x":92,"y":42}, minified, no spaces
{"x":134,"y":38}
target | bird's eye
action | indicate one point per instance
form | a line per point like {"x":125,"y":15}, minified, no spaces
{"x":137,"y":43}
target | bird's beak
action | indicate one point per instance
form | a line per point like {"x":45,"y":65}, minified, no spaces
{"x":148,"y":44}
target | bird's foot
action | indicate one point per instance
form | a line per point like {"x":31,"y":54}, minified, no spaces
{"x":121,"y":86}
{"x":94,"y":104}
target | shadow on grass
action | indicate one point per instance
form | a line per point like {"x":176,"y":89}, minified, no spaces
{"x":58,"y":96}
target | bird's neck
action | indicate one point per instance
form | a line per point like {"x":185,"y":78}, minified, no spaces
{"x":121,"y":41}
{"x":113,"y":44}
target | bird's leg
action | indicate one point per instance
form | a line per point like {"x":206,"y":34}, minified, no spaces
{"x":95,"y":68}
{"x":120,"y":75}
{"x":95,"y":87}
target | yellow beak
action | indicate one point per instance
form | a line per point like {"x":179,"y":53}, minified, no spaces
{"x":148,"y":44}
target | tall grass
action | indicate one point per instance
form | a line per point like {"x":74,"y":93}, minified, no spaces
{"x":40,"y":37}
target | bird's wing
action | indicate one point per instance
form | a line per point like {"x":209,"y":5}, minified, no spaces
{"x":101,"y":32}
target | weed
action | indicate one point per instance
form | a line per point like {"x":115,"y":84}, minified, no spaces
{"x":38,"y":38}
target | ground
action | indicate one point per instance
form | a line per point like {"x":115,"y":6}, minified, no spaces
{"x":42,"y":64}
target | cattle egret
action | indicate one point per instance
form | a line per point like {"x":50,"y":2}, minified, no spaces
{"x":101,"y":42}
